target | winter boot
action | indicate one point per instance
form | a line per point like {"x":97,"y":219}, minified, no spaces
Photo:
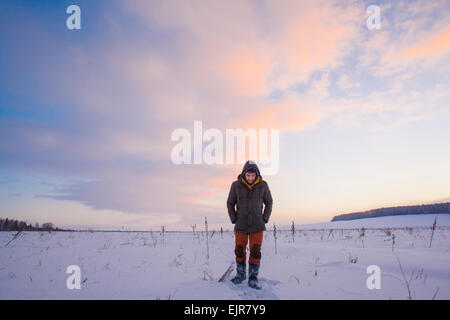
{"x":253,"y":269}
{"x":240,"y":273}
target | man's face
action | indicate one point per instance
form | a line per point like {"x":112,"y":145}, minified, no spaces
{"x":250,"y":177}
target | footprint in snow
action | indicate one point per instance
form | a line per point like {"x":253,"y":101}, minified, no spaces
{"x":266,"y":292}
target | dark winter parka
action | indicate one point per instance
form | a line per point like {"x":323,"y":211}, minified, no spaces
{"x":245,"y":202}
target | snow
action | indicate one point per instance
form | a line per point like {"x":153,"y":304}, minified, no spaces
{"x":315,"y":264}
{"x":419,"y":220}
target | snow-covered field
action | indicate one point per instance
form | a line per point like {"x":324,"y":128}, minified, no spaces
{"x":386,"y":222}
{"x":314,"y":264}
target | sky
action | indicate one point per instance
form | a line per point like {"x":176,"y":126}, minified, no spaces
{"x":87,"y":115}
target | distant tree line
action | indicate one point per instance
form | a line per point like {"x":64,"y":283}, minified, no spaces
{"x":16,"y":225}
{"x":435,"y":208}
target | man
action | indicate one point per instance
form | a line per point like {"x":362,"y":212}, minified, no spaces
{"x":245,"y":204}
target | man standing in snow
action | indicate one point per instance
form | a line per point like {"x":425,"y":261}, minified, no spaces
{"x":245,"y":208}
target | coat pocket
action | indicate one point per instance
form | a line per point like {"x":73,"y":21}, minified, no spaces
{"x":259,"y":221}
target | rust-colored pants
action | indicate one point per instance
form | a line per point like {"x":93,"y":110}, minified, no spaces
{"x":255,"y":246}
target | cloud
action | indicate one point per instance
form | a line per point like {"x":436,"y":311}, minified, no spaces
{"x":254,"y":46}
{"x":439,"y":44}
{"x":345,"y":83}
{"x":123,"y":95}
{"x":415,"y":37}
